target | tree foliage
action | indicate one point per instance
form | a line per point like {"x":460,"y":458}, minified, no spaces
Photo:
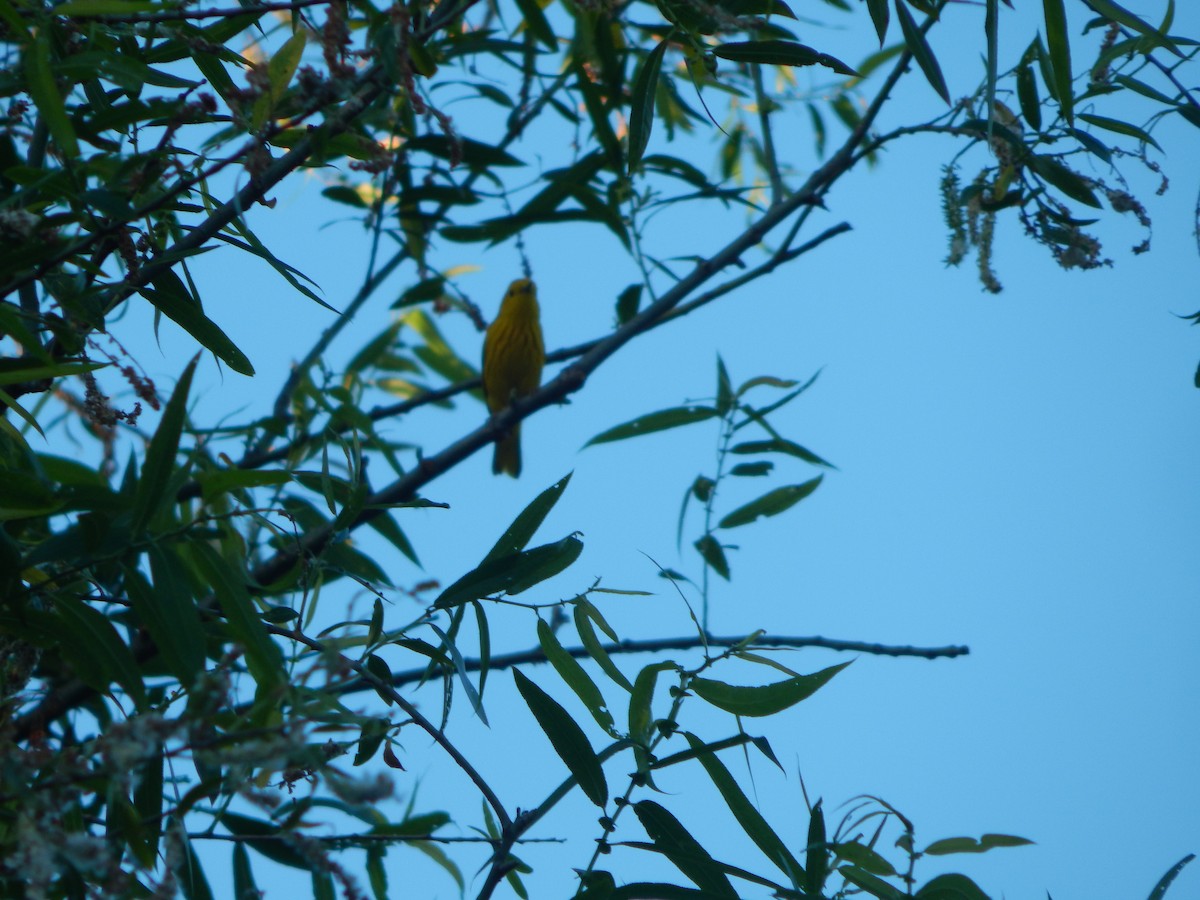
{"x":171,"y":677}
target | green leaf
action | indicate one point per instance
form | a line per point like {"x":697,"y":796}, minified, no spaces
{"x":584,"y":613}
{"x":282,"y":67}
{"x":94,"y":648}
{"x":780,"y":53}
{"x":713,"y":553}
{"x":567,"y":738}
{"x":82,"y":9}
{"x":188,"y":870}
{"x":160,"y":455}
{"x":751,"y":820}
{"x":39,"y":81}
{"x":20,"y":372}
{"x":476,"y":155}
{"x":264,"y":838}
{"x":1160,"y":889}
{"x":872,"y":884}
{"x":262,"y":655}
{"x":641,"y":107}
{"x":223,"y":481}
{"x":762,"y":700}
{"x":674,"y":842}
{"x":970,"y":845}
{"x":780,"y":445}
{"x":436,"y":353}
{"x":655,"y":421}
{"x":817,"y":854}
{"x":244,"y":885}
{"x":575,"y":676}
{"x":914,"y":39}
{"x":513,"y":573}
{"x":1059,"y":56}
{"x":168,"y":612}
{"x":290,"y":274}
{"x":879,"y":17}
{"x":1066,"y":180}
{"x":864,"y":857}
{"x":148,"y":799}
{"x":1027,"y":94}
{"x":1114,"y":12}
{"x":951,"y":887}
{"x":536,"y":22}
{"x":770,"y":504}
{"x":525,"y":525}
{"x":641,"y":700}
{"x":1120,"y":128}
{"x":460,"y":668}
{"x":1140,"y":87}
{"x":628,"y":302}
{"x":171,"y":298}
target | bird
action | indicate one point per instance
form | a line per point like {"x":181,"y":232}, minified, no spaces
{"x":513,"y":356}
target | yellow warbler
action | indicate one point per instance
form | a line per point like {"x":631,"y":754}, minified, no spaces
{"x":513,"y":355}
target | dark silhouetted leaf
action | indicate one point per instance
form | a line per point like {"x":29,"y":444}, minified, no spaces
{"x":676,"y":844}
{"x":655,"y":421}
{"x":780,"y":53}
{"x":770,"y":504}
{"x":914,"y":38}
{"x":762,"y":700}
{"x":567,"y":738}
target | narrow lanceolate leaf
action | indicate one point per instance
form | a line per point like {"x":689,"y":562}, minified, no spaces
{"x":1114,"y":12}
{"x":567,"y":738}
{"x":947,"y":846}
{"x":591,"y":643}
{"x":641,"y":109}
{"x":674,"y":842}
{"x":762,"y":700}
{"x":536,"y":22}
{"x":262,"y":655}
{"x":160,"y":456}
{"x":713,"y":553}
{"x":1027,"y":93}
{"x":780,"y":53}
{"x":1065,"y":179}
{"x":770,"y":504}
{"x":575,"y":676}
{"x":879,"y":17}
{"x":751,"y":820}
{"x":1120,"y":128}
{"x":171,"y":299}
{"x":817,"y":855}
{"x":243,"y":876}
{"x":276,"y":850}
{"x":1059,"y":50}
{"x":525,"y":525}
{"x":781,"y":445}
{"x":513,"y":573}
{"x":655,"y":421}
{"x":1160,"y":889}
{"x":86,"y":8}
{"x":284,"y":63}
{"x":642,"y":699}
{"x":39,"y":81}
{"x":94,"y":649}
{"x":914,"y":39}
{"x":876,"y":886}
{"x":172,"y":620}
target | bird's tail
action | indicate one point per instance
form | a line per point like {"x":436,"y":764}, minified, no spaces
{"x":508,"y":453}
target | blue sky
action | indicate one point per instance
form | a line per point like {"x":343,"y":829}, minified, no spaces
{"x":1015,"y":473}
